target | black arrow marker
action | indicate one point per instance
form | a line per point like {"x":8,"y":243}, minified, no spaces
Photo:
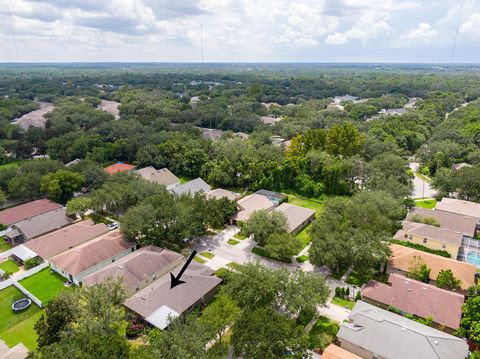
{"x":174,"y":281}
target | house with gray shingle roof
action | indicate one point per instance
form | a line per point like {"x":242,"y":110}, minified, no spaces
{"x":192,"y":187}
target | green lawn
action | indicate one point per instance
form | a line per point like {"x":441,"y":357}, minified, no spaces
{"x":45,"y":285}
{"x":356,"y":279}
{"x":233,"y":242}
{"x":199,"y":260}
{"x":240,"y":236}
{"x":426,"y":203}
{"x":302,"y":259}
{"x":312,"y":203}
{"x":23,"y":332}
{"x":184,"y":179}
{"x":9,"y":266}
{"x":207,"y":255}
{"x":235,"y":265}
{"x":304,"y":236}
{"x":9,"y":165}
{"x":343,"y":302}
{"x":4,"y":246}
{"x":322,"y":333}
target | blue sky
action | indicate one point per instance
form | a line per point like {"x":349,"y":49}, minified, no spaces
{"x":239,"y":30}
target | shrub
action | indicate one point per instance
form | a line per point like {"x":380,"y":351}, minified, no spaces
{"x":134,"y":328}
{"x":3,"y":227}
{"x":438,"y":252}
{"x":6,"y":275}
{"x":32,"y":262}
{"x":358,"y":296}
{"x":393,"y":309}
{"x":347,"y":291}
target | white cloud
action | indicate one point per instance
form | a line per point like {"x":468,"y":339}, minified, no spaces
{"x":423,"y":31}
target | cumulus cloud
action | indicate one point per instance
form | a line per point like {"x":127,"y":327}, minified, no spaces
{"x":423,"y":31}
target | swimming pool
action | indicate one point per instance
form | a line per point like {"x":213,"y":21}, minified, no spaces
{"x":473,"y":258}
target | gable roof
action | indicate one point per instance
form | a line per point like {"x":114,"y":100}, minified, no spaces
{"x":454,"y":221}
{"x":43,"y":223}
{"x":16,"y":214}
{"x":161,"y":176}
{"x":443,"y":235}
{"x":255,"y":202}
{"x":459,"y":206}
{"x":414,"y":297}
{"x":295,"y":215}
{"x":118,"y":167}
{"x":85,"y":256}
{"x":192,"y":187}
{"x":392,"y":336}
{"x":66,"y":238}
{"x":335,"y":352}
{"x":136,"y":266}
{"x":402,"y":257}
{"x":220,"y":193}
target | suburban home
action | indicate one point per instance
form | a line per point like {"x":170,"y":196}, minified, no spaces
{"x":431,"y":236}
{"x":335,"y":352}
{"x":78,"y":262}
{"x":418,"y":298}
{"x":402,"y":258}
{"x":138,"y":269}
{"x":270,"y":120}
{"x":156,"y":303}
{"x":372,"y":332}
{"x":459,"y":166}
{"x":56,"y":242}
{"x":250,"y":204}
{"x":162,"y":176}
{"x":297,"y":217}
{"x":275,"y":197}
{"x":16,"y":214}
{"x":118,"y":167}
{"x":192,"y":187}
{"x":36,"y":226}
{"x":459,"y":206}
{"x":465,"y":225}
{"x":219,"y":193}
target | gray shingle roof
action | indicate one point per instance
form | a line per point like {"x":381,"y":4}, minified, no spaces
{"x":43,"y":223}
{"x":192,"y":187}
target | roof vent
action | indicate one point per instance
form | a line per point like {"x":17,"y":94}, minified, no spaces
{"x":119,"y":266}
{"x":436,"y":342}
{"x":144,"y":298}
{"x":409,"y":289}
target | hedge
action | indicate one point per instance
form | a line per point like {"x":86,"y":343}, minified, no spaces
{"x":438,"y":252}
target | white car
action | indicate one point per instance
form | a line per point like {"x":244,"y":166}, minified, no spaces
{"x":112,"y":226}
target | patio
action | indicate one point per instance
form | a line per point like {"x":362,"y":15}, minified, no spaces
{"x":470,"y":251}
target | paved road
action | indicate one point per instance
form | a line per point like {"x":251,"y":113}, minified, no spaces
{"x":421,"y":188}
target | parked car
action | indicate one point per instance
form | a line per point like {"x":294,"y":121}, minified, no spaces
{"x":112,"y":226}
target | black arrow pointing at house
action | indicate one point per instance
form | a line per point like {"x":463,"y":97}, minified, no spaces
{"x":174,"y":281}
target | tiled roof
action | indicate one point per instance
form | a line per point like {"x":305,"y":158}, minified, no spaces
{"x":15,"y":214}
{"x":118,"y":167}
{"x":335,"y":352}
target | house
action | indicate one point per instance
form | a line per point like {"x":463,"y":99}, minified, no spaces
{"x":219,"y":193}
{"x":270,"y":120}
{"x":431,"y":236}
{"x":36,"y":226}
{"x":465,"y":225}
{"x":118,"y":167}
{"x":418,"y":298}
{"x":74,"y":162}
{"x":138,"y":269}
{"x":335,"y":352}
{"x":373,"y":332}
{"x":250,"y":204}
{"x":275,"y":197}
{"x":402,"y":258}
{"x":162,"y":176}
{"x":27,"y":210}
{"x":157,"y":303}
{"x":297,"y":217}
{"x":59,"y":241}
{"x":210,"y":133}
{"x":78,"y":262}
{"x":459,"y":206}
{"x":18,"y":351}
{"x":192,"y":187}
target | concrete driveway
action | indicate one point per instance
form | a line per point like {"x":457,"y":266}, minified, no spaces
{"x":421,"y":188}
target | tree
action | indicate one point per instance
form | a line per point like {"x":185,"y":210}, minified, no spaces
{"x":219,"y":314}
{"x":418,"y":270}
{"x":282,"y":246}
{"x":264,"y":223}
{"x":470,"y":323}
{"x":446,"y":280}
{"x":61,"y":185}
{"x":344,"y":140}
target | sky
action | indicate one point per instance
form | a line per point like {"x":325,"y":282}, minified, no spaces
{"x":239,"y":31}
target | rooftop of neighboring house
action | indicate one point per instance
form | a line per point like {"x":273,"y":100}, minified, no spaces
{"x":91,"y":253}
{"x":161,"y":176}
{"x":459,"y":206}
{"x":389,"y":335}
{"x":118,"y":167}
{"x":136,"y":267}
{"x":66,"y":238}
{"x":15,"y":214}
{"x":157,"y":301}
{"x":335,"y":352}
{"x":442,"y":235}
{"x":275,"y":197}
{"x":458,"y":166}
{"x":457,"y":222}
{"x":250,"y":204}
{"x":221,"y":193}
{"x":295,"y":215}
{"x":421,"y":299}
{"x":43,"y":223}
{"x":210,"y":133}
{"x":269,"y":120}
{"x":192,"y":187}
{"x":402,"y":257}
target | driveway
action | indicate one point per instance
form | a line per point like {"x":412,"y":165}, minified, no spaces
{"x":334,"y":312}
{"x":421,"y":188}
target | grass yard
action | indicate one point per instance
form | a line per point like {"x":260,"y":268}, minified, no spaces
{"x":240,"y":236}
{"x":235,"y":265}
{"x":233,"y":242}
{"x":304,"y":236}
{"x":23,"y":332}
{"x":356,"y":279}
{"x":303,"y":258}
{"x":312,"y":203}
{"x":4,"y":246}
{"x":199,"y":260}
{"x":426,"y":203}
{"x":45,"y":285}
{"x":207,"y":255}
{"x":344,"y":303}
{"x":9,"y":266}
{"x":322,"y":333}
{"x":9,"y":165}
{"x":184,"y":179}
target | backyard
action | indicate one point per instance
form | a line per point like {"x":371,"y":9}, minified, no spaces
{"x":426,"y":203}
{"x":4,"y":246}
{"x":322,"y":333}
{"x":312,"y":203}
{"x":45,"y":285}
{"x":9,"y":266}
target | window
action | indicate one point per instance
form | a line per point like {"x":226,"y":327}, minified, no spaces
{"x":424,"y":240}
{"x":405,"y":236}
{"x":444,"y":246}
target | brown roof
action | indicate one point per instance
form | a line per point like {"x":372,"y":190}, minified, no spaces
{"x":414,"y":297}
{"x":137,"y":266}
{"x":43,"y":223}
{"x":255,"y":202}
{"x":118,"y":167}
{"x":295,"y":215}
{"x":454,"y":221}
{"x":402,"y":256}
{"x":442,"y":235}
{"x":335,"y":352}
{"x":15,"y":214}
{"x":220,"y":193}
{"x":459,"y":206}
{"x":161,"y":176}
{"x":68,"y":237}
{"x":86,"y":255}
